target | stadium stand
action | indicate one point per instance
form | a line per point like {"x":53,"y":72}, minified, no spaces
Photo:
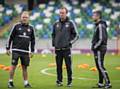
{"x":7,"y":13}
{"x":44,"y":15}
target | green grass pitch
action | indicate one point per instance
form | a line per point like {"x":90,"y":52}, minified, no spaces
{"x":41,"y":76}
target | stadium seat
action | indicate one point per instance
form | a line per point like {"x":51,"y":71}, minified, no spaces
{"x":44,"y":16}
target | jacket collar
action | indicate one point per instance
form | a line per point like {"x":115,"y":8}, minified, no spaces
{"x":64,"y":20}
{"x":23,"y":24}
{"x":102,"y":22}
{"x":96,"y":23}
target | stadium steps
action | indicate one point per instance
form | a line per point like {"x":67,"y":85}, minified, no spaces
{"x":6,"y":27}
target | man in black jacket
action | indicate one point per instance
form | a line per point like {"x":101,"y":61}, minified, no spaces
{"x":99,"y":47}
{"x":63,"y":36}
{"x":21,"y":38}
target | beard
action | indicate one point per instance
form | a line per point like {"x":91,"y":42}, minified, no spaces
{"x":62,"y":18}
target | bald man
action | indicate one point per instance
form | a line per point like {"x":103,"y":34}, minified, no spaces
{"x":20,"y":40}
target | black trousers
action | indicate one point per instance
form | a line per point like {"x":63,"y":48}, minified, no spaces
{"x":66,"y":55}
{"x":99,"y":60}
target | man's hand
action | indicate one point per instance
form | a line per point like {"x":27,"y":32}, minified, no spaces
{"x":31,"y":55}
{"x":8,"y":52}
{"x":92,"y":48}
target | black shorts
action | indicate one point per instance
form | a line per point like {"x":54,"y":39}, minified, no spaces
{"x":25,"y":59}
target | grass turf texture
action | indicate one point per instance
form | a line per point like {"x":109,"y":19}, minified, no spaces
{"x":42,"y":81}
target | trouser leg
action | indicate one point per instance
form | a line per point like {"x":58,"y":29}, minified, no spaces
{"x":59,"y":62}
{"x":68,"y":62}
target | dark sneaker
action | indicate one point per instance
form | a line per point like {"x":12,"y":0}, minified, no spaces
{"x":108,"y":86}
{"x":69,"y":84}
{"x":10,"y":85}
{"x":99,"y":85}
{"x":58,"y":83}
{"x":28,"y":86}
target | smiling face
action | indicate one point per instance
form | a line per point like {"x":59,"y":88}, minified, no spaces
{"x":63,"y":13}
{"x":25,"y":17}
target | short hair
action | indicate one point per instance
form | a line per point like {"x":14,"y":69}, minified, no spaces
{"x":25,"y":12}
{"x":65,"y":9}
{"x":98,"y":12}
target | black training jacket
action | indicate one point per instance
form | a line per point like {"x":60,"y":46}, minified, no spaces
{"x":100,"y":36}
{"x":22,"y":38}
{"x":64,"y":33}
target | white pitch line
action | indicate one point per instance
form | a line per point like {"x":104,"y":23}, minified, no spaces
{"x":44,"y":71}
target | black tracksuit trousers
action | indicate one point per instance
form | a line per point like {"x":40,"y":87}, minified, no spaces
{"x":99,"y":60}
{"x":66,"y":55}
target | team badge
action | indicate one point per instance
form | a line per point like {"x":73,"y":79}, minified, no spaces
{"x":28,"y":30}
{"x":57,"y":25}
{"x":69,"y":55}
{"x":13,"y":61}
{"x":24,"y":34}
{"x":67,"y":25}
{"x":19,"y":29}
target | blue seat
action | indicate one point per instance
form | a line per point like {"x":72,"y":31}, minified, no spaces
{"x":6,"y":19}
{"x":82,"y":33}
